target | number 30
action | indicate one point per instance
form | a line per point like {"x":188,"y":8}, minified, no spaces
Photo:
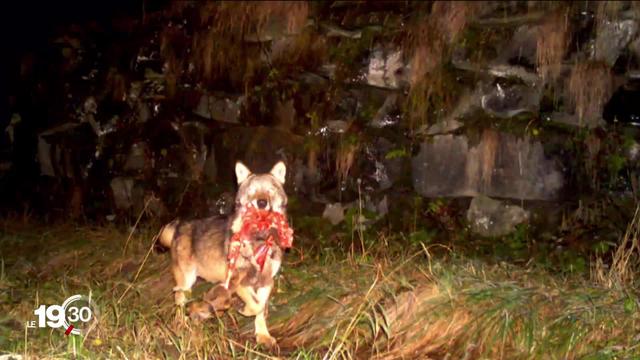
{"x":84,"y":314}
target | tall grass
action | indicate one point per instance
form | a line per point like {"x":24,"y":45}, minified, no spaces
{"x":428,"y":41}
{"x":625,"y":263}
{"x":414,"y":305}
{"x":551,"y":46}
{"x":590,"y":86}
{"x":214,"y":50}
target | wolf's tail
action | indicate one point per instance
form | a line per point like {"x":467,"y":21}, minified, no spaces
{"x":167,"y":232}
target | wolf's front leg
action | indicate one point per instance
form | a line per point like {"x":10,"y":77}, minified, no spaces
{"x":262,"y":332}
{"x":256,"y":302}
{"x":249,"y":296}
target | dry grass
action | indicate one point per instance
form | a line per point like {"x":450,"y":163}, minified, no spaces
{"x":430,"y":38}
{"x":593,"y":147}
{"x":488,"y":153}
{"x":428,"y":55}
{"x":551,"y":47}
{"x":452,"y":17}
{"x":428,"y":42}
{"x":590,"y":86}
{"x":435,"y":92}
{"x":115,"y":86}
{"x":312,"y":161}
{"x":173,"y":52}
{"x":608,"y":10}
{"x":245,"y":17}
{"x":412,"y":306}
{"x":345,"y":158}
{"x":624,"y":267}
{"x":216,"y":47}
{"x":305,"y":50}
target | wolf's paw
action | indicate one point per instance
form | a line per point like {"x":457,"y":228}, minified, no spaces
{"x":180,"y":298}
{"x":266,"y":340}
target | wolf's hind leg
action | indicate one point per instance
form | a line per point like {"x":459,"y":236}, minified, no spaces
{"x":182,"y":265}
{"x":185,"y":278}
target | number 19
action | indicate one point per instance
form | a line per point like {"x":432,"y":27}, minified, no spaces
{"x":54,"y":314}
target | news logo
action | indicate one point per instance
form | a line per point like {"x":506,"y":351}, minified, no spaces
{"x":76,"y":315}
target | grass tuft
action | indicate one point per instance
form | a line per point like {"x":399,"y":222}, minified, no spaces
{"x":551,"y":46}
{"x":590,"y":86}
{"x":429,"y":42}
{"x":622,"y":271}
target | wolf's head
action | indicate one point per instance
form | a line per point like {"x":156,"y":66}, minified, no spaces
{"x":264,"y":191}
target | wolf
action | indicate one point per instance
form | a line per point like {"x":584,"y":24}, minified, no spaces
{"x":199,"y":248}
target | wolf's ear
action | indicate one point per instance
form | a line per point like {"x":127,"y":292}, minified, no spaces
{"x":242,"y":172}
{"x":279,"y":171}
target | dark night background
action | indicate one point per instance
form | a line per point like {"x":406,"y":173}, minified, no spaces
{"x":29,"y":28}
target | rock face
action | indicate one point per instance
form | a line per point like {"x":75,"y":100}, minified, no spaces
{"x":220,"y":109}
{"x":613,"y":37}
{"x":62,"y":150}
{"x":506,"y":102}
{"x":137,"y":158}
{"x":188,"y":95}
{"x":334,"y":213}
{"x":501,"y":165}
{"x":489,"y":217}
{"x":122,"y":189}
{"x":260,"y":147}
{"x":522,"y":45}
{"x":386,"y":68}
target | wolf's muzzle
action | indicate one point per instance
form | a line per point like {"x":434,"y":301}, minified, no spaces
{"x":262,"y":203}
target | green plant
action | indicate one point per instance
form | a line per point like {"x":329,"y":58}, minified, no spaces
{"x":355,"y":219}
{"x":615,"y":164}
{"x":436,"y":206}
{"x":396,"y":154}
{"x":423,"y":236}
{"x":519,"y":238}
{"x":602,"y":247}
{"x":573,"y":263}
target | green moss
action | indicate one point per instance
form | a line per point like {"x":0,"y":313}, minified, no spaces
{"x":432,"y":97}
{"x":481,"y":43}
{"x":349,"y":54}
{"x":396,"y":153}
